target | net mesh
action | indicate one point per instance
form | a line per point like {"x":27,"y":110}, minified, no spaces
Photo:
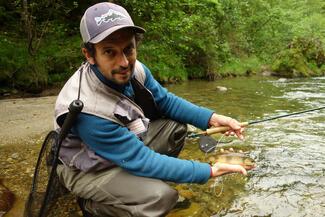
{"x":44,"y":176}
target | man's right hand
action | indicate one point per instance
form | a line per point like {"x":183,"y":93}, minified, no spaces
{"x":219,"y":169}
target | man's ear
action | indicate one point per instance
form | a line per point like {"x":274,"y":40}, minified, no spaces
{"x":88,"y":56}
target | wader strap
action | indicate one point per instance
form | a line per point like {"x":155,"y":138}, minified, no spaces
{"x":144,"y":98}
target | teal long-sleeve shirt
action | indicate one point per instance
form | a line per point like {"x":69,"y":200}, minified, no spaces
{"x":117,"y":144}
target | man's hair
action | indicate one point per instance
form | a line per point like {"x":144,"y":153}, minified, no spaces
{"x":91,"y":47}
{"x":138,"y":38}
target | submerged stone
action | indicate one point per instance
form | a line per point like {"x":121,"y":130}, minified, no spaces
{"x":6,"y":199}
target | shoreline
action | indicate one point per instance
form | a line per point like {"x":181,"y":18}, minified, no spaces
{"x":17,"y":94}
{"x":25,"y":120}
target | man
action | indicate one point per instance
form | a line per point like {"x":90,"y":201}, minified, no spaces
{"x":124,"y":144}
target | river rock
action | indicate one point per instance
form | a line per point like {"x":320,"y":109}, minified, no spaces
{"x":221,"y":88}
{"x":15,"y":155}
{"x":282,"y":80}
{"x":6,"y":199}
{"x":267,"y":73}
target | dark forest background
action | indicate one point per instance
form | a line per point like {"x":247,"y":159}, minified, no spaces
{"x":186,"y":39}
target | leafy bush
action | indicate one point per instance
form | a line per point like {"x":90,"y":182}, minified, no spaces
{"x":291,"y":63}
{"x":54,"y":63}
{"x":241,"y":67}
{"x":32,"y":77}
{"x":8,"y":61}
{"x":186,"y":30}
{"x":303,"y":57}
{"x":165,"y":65}
{"x":64,"y":59}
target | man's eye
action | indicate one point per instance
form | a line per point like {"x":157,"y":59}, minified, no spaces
{"x":128,"y":50}
{"x":109,"y":52}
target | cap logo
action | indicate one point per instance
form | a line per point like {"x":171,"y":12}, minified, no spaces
{"x":110,"y":16}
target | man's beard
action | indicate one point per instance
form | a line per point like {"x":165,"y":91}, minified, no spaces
{"x":121,"y":69}
{"x":129,"y":68}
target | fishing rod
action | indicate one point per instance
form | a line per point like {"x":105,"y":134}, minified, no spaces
{"x":244,"y":124}
{"x":208,"y":144}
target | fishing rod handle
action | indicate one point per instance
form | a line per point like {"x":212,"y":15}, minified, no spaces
{"x":75,"y":108}
{"x":223,"y":129}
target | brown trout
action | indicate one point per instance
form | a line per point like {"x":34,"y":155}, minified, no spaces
{"x":233,"y":158}
{"x":6,"y":199}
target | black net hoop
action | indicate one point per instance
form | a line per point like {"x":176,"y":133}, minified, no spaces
{"x":46,"y":188}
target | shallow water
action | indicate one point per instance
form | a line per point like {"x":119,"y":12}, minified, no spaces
{"x":290,"y":152}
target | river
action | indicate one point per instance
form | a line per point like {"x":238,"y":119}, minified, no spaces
{"x":290,"y":152}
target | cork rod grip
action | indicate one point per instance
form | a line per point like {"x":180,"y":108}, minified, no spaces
{"x":223,"y":129}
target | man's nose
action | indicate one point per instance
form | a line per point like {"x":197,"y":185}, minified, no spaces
{"x":123,"y":60}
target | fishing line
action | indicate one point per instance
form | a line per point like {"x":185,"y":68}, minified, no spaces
{"x":218,"y":182}
{"x":214,"y":146}
{"x":285,"y":115}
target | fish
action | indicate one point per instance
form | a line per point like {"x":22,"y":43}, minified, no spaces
{"x":7,"y":199}
{"x":233,"y":158}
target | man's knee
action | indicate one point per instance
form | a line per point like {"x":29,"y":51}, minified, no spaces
{"x":166,"y":136}
{"x":165,"y":198}
{"x":178,"y":139}
{"x":159,"y":203}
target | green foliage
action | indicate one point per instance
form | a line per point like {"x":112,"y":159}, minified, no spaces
{"x":32,"y":77}
{"x":185,"y":27}
{"x":7,"y":63}
{"x":18,"y":69}
{"x":165,"y":66}
{"x":291,"y":63}
{"x":13,"y":59}
{"x":311,"y":48}
{"x":303,"y":57}
{"x":241,"y":67}
{"x":65,"y":57}
{"x":322,"y":69}
{"x":53,"y":64}
{"x":185,"y":39}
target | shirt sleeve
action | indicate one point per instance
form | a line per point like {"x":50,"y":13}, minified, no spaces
{"x":176,"y":107}
{"x":117,"y":144}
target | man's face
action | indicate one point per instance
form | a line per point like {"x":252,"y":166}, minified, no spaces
{"x":115,"y":56}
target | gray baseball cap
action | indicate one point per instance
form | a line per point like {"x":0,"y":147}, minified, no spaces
{"x":102,"y":19}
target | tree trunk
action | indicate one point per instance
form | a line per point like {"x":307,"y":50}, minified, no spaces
{"x":28,"y":26}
